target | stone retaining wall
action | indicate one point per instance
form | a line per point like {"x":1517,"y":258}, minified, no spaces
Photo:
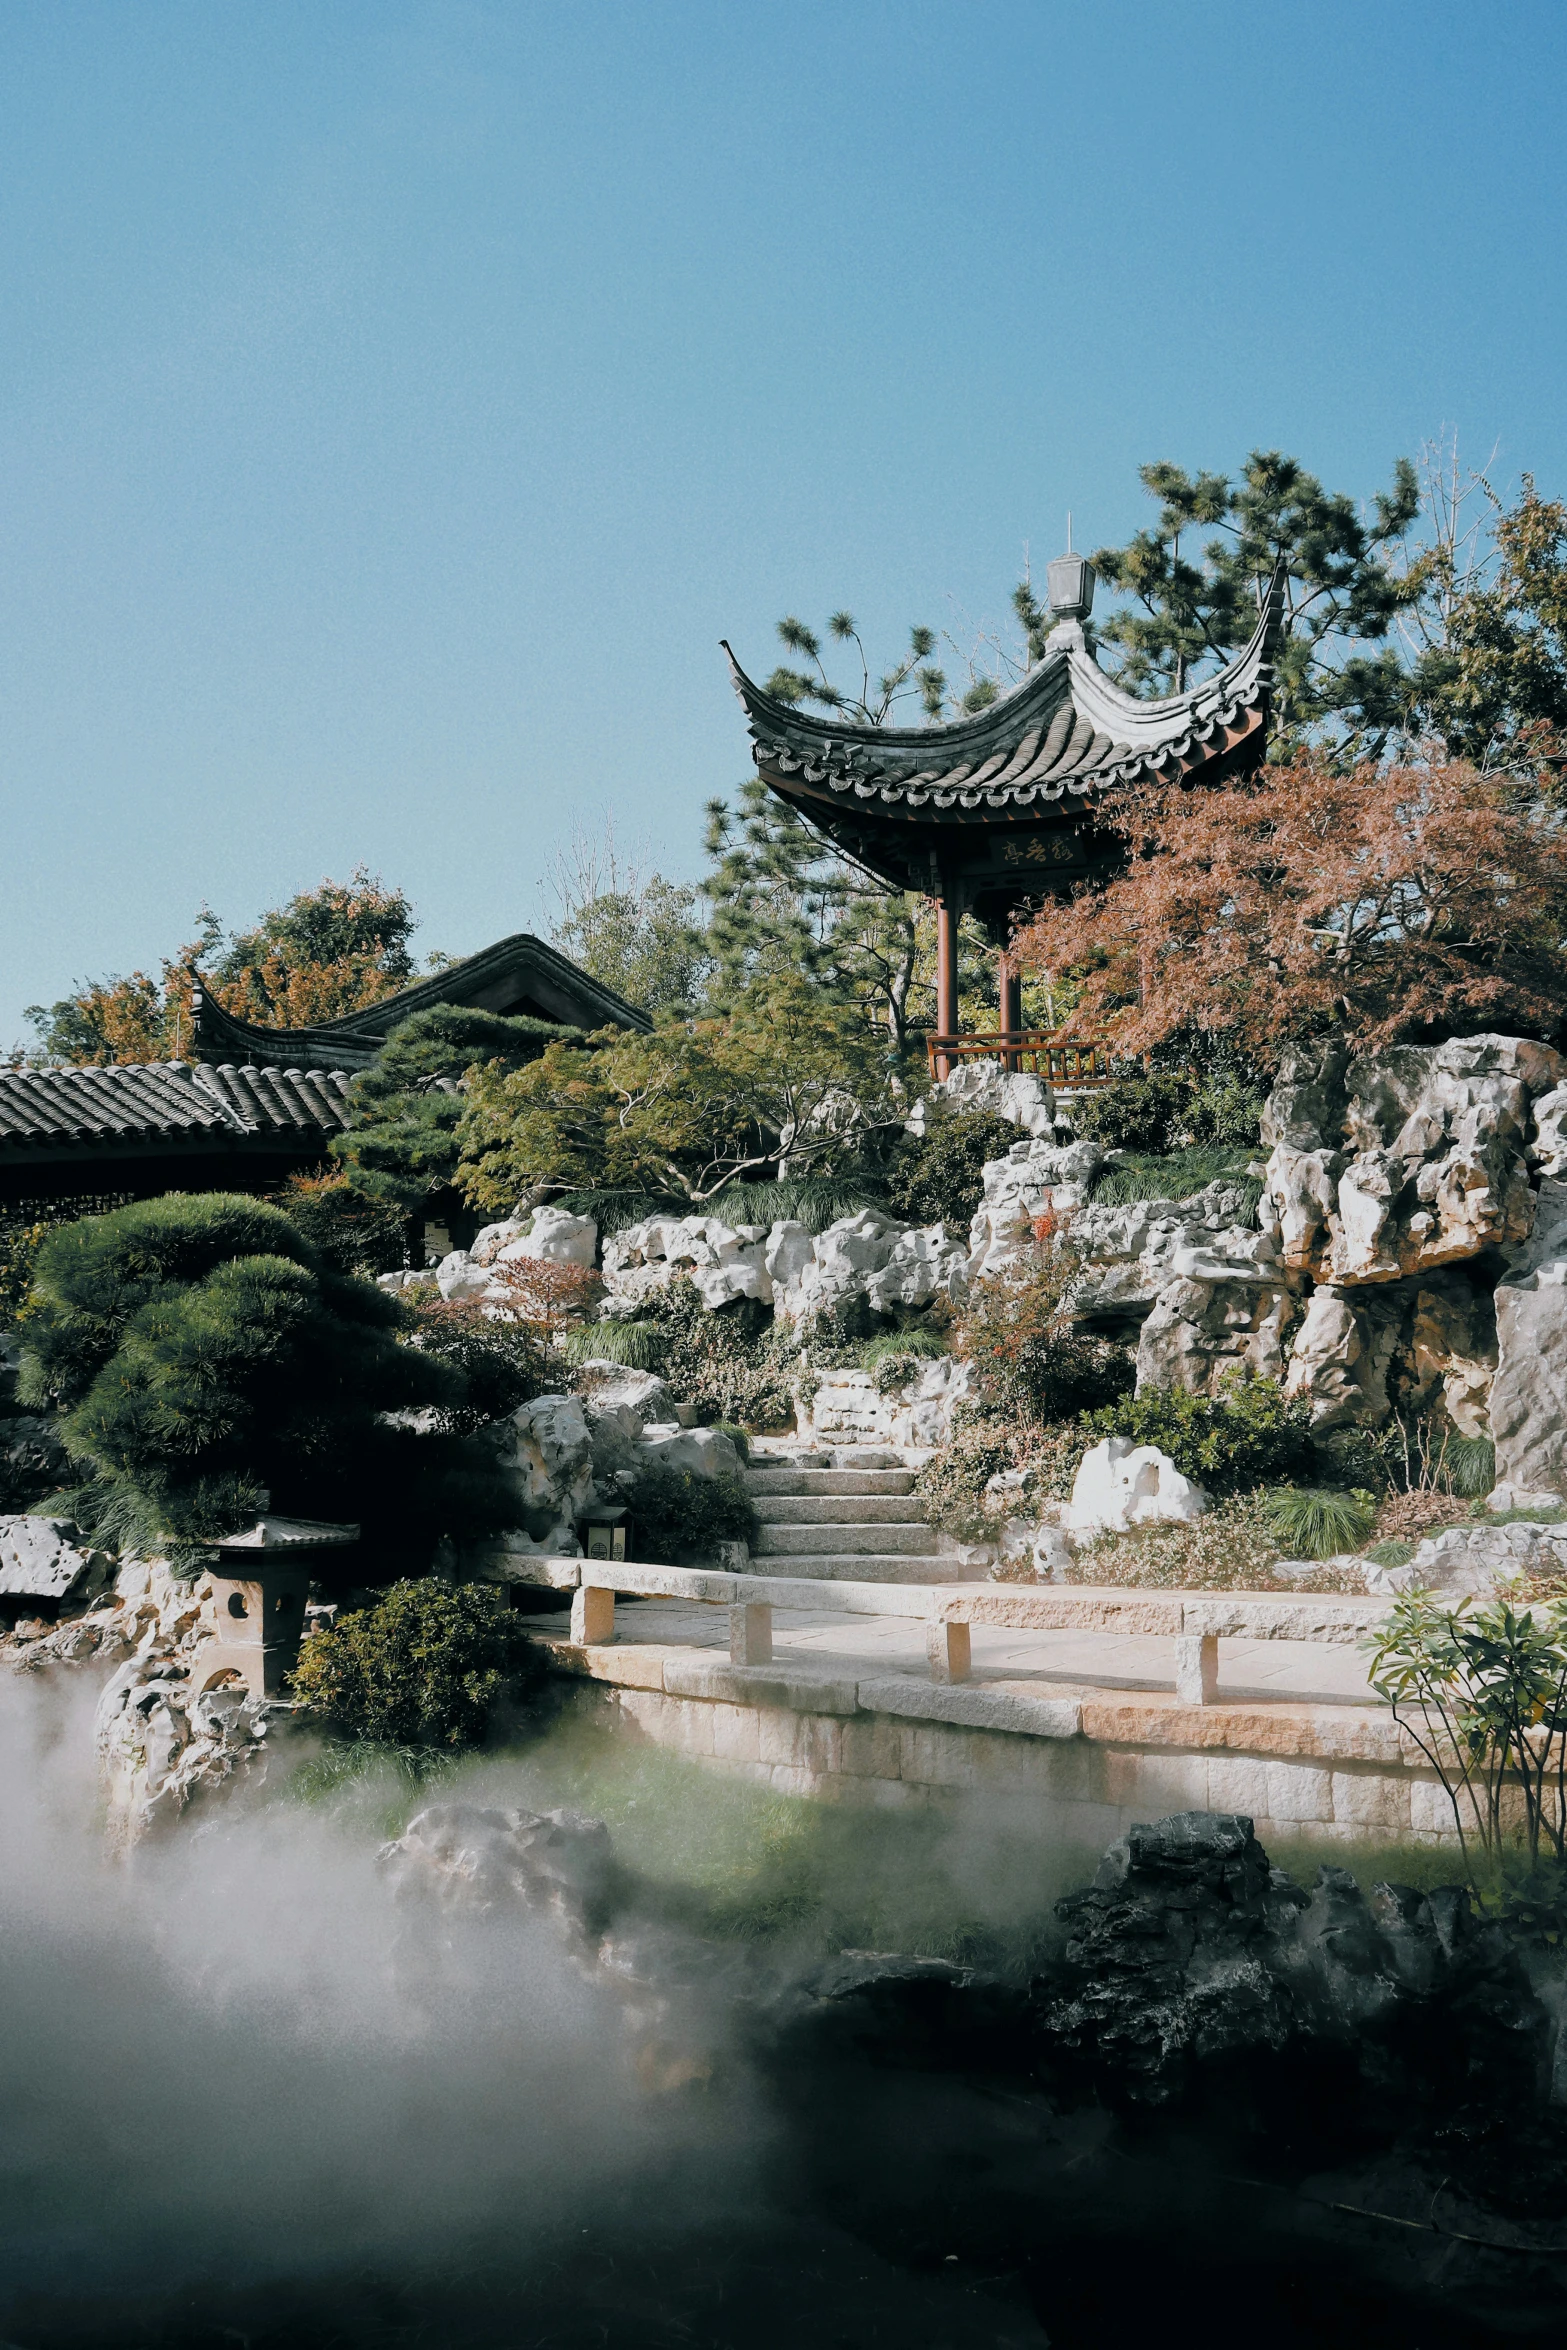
{"x":1092,"y":1765}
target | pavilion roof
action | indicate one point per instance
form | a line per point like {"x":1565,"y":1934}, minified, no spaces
{"x":1067,"y":732}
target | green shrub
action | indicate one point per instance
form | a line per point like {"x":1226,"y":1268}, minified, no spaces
{"x":1225,"y":1108}
{"x":679,"y":1516}
{"x":1468,"y":1465}
{"x":736,"y":1435}
{"x":1142,"y":1112}
{"x":1244,"y":1437}
{"x":640,"y":1346}
{"x":401,"y":1142}
{"x":349,"y":1232}
{"x":502,"y":1364}
{"x":951,"y":1485}
{"x":939,"y":1178}
{"x":426,"y":1666}
{"x":1316,"y":1522}
{"x":1177,"y":1176}
{"x":205,"y":1361}
{"x":731,"y":1363}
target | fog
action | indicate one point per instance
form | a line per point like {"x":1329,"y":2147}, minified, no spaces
{"x":215,"y":2060}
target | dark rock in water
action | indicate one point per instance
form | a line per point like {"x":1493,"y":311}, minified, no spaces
{"x":558,"y":1864}
{"x":1189,"y":1951}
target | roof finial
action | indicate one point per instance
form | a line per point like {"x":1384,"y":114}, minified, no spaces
{"x":1069,"y":530}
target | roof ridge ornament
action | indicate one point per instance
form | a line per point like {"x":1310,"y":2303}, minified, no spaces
{"x":1069,"y":587}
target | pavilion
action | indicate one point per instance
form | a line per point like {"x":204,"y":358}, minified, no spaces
{"x":993,"y":812}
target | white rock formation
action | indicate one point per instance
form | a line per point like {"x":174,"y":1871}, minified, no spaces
{"x":1404,"y":1161}
{"x":46,"y":1559}
{"x":985,"y":1087}
{"x":1034,"y":1179}
{"x":1120,"y":1485}
{"x":1528,"y":1399}
{"x":724,"y":1261}
{"x":706,"y":1452}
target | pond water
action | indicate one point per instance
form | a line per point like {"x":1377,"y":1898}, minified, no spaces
{"x":241,"y":2104}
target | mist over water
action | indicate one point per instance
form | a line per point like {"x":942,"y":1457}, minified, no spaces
{"x":226,"y":2057}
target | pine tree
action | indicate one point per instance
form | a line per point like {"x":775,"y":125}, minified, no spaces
{"x":401,"y":1142}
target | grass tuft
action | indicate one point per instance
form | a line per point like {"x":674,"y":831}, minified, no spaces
{"x":1316,"y":1522}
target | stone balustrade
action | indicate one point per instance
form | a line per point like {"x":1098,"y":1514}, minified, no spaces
{"x":1196,"y":1622}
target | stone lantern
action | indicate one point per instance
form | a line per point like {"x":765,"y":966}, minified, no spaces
{"x":260,"y":1582}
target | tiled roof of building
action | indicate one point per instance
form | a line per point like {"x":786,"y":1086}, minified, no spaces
{"x":1067,"y":730}
{"x":152,"y":1101}
{"x":517,"y":974}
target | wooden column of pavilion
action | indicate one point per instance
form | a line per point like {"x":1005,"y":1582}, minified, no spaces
{"x":993,"y":813}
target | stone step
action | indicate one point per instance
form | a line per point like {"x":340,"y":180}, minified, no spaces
{"x":865,"y":1456}
{"x":866,"y":1566}
{"x":803,"y":1481}
{"x":779,"y":1541}
{"x":839,"y":1509}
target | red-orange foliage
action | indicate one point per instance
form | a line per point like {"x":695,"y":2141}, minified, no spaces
{"x":1415,"y":903}
{"x":547,"y":1295}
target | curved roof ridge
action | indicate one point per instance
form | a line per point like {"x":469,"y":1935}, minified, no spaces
{"x":1128,"y":728}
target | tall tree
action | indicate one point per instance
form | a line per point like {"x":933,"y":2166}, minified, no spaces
{"x":626,"y":925}
{"x":1489,"y":679}
{"x":329,"y":951}
{"x":1190,"y":609}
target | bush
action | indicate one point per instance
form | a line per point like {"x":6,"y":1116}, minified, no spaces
{"x":952,"y":1483}
{"x":401,"y":1142}
{"x":938,"y":1178}
{"x":350,"y":1233}
{"x":1146,"y":1112}
{"x":640,"y":1346}
{"x":502,"y":1364}
{"x":1177,"y":1176}
{"x":207,"y":1363}
{"x":730,"y":1363}
{"x":426,"y":1666}
{"x":1315,"y":1522}
{"x":1229,"y":1443}
{"x":1226,"y":1108}
{"x":679,"y":1515}
{"x":1026,"y":1353}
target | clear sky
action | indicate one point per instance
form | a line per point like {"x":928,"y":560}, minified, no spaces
{"x":399,"y":401}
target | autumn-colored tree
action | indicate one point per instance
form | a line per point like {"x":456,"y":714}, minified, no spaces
{"x":1393,"y":904}
{"x":329,"y":951}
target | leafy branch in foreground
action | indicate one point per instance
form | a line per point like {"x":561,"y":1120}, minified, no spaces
{"x":1481,"y":1688}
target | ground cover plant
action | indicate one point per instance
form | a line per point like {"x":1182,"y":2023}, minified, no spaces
{"x":425,"y":1666}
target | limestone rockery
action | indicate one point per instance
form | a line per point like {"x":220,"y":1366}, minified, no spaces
{"x":1409,"y":1249}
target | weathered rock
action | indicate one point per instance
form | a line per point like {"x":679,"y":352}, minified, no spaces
{"x":1035,"y":1179}
{"x":1528,"y":1400}
{"x":1188,"y":1951}
{"x":844,"y":1260}
{"x":559,"y":1865}
{"x":921,"y":1414}
{"x":46,"y":1559}
{"x":634,"y":1398}
{"x":1396,"y":1164}
{"x":984,"y":1088}
{"x":926,"y":1262}
{"x":1120,"y":1485}
{"x":164,"y":1742}
{"x":547,"y":1446}
{"x":555,"y":1237}
{"x":1358,"y":1352}
{"x":706,"y":1452}
{"x":724,"y":1261}
{"x":1479,"y":1559}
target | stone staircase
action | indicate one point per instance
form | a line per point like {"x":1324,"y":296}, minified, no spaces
{"x":846,"y":1515}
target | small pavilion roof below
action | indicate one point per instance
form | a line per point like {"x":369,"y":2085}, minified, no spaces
{"x":518,"y":975}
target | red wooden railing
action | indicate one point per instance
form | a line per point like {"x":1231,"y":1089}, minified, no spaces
{"x":1038,"y":1049}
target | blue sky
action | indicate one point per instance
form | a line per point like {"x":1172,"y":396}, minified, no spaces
{"x":399,"y":401}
